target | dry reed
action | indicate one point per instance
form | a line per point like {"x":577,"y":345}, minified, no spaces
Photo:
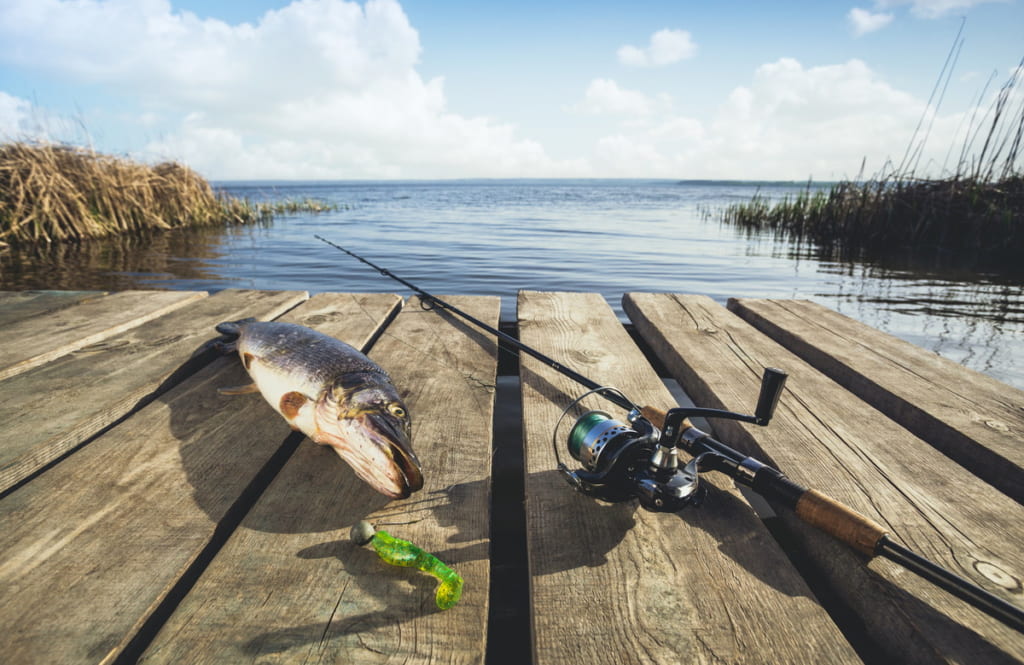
{"x":56,"y":193}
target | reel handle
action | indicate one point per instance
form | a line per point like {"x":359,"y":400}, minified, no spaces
{"x":772,"y":382}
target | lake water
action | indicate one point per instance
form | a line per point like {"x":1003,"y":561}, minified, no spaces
{"x":496,"y":237}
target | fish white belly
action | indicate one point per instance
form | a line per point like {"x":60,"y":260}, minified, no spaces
{"x":274,"y":385}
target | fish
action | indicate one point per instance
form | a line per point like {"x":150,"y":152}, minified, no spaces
{"x":332,"y":393}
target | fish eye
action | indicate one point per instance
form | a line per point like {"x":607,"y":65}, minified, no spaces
{"x":396,"y":410}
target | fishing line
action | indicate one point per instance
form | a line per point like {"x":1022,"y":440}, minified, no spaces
{"x":639,"y":460}
{"x":502,"y":336}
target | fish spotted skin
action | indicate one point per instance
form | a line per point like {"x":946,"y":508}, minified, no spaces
{"x":333,"y":394}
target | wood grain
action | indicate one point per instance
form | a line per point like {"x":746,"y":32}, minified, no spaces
{"x":30,"y":342}
{"x":824,"y":438}
{"x":612,"y":583}
{"x":975,"y":419}
{"x":18,"y":305}
{"x":90,"y":548}
{"x":51,"y":409}
{"x":289,"y":586}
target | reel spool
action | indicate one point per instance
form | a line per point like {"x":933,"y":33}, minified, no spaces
{"x":591,"y":435}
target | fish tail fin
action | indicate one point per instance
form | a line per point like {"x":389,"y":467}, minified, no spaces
{"x":230,"y":332}
{"x":233,"y":328}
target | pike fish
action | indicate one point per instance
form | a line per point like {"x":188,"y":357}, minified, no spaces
{"x":333,"y":394}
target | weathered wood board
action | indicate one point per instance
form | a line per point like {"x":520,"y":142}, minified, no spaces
{"x":50,"y":409}
{"x":973,"y":418}
{"x":30,"y":342}
{"x":89,"y":549}
{"x":18,"y":305}
{"x":289,"y":586}
{"x":612,"y":583}
{"x":824,"y":438}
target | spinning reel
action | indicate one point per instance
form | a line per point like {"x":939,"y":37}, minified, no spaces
{"x":622,"y":461}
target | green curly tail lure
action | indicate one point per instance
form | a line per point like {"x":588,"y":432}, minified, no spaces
{"x":398,"y":552}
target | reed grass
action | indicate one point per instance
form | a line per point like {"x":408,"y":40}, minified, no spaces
{"x":57,"y":193}
{"x":975,"y":215}
{"x":292,"y":206}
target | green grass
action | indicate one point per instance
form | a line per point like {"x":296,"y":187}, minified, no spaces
{"x":291,"y":206}
{"x":976,"y":220}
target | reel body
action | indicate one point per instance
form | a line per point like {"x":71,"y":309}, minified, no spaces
{"x":637,"y":460}
{"x":621,"y":462}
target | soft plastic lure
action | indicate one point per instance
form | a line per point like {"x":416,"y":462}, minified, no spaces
{"x":398,"y":552}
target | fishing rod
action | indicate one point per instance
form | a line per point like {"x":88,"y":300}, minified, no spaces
{"x":431,"y":301}
{"x":640,"y":459}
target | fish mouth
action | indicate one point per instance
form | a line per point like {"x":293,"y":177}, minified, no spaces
{"x":378,"y":448}
{"x":392,"y":434}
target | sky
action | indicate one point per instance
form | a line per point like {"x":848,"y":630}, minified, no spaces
{"x":435,"y":89}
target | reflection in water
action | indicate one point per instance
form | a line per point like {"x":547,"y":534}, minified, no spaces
{"x":118,"y":263}
{"x":974,"y":319}
{"x":496,"y":237}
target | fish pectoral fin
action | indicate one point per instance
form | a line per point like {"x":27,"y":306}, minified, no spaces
{"x":239,"y":390}
{"x":291,"y":403}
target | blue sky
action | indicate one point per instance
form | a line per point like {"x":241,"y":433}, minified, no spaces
{"x":330,"y":89}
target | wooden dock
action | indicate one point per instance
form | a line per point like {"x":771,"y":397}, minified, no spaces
{"x":144,"y":517}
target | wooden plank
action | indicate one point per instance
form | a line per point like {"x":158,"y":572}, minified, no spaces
{"x":31,"y":342}
{"x":90,"y":548}
{"x":52,"y":409}
{"x":18,"y":305}
{"x":973,"y":418}
{"x":823,"y":437}
{"x":289,"y":586}
{"x":612,"y":583}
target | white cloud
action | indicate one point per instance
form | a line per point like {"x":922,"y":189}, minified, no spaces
{"x":790,"y":122}
{"x":631,"y":55}
{"x":679,"y":129}
{"x":625,"y":156}
{"x":933,"y":8}
{"x":21,"y":120}
{"x":318,"y":88}
{"x":665,"y":48}
{"x":330,"y":89}
{"x":14,"y":116}
{"x":863,"y":21}
{"x":605,"y":96}
{"x":177,"y":58}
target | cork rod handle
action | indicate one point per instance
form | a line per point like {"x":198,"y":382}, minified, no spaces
{"x":657,"y":417}
{"x":840,"y":521}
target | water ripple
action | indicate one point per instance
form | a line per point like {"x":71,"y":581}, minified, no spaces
{"x":496,"y":237}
